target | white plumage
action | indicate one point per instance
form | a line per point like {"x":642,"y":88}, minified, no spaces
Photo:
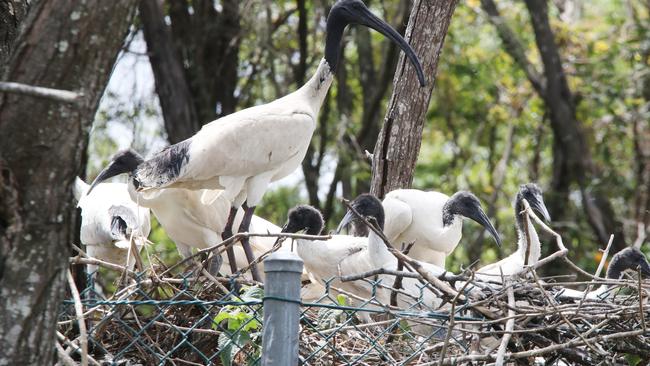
{"x":192,"y":224}
{"x":108,"y":218}
{"x":243,"y":152}
{"x":432,"y":221}
{"x":514,"y":263}
{"x":627,"y":259}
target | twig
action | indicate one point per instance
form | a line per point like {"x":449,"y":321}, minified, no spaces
{"x":641,"y":314}
{"x":603,"y":259}
{"x":566,"y":320}
{"x":452,"y":318}
{"x":56,"y":95}
{"x":233,"y":239}
{"x":64,"y":357}
{"x":509,"y":327}
{"x":78,"y":308}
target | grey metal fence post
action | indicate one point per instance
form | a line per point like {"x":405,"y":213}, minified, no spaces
{"x":281,"y":309}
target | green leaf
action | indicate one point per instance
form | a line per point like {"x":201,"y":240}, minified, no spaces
{"x":342,"y":300}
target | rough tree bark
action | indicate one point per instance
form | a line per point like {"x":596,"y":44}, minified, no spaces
{"x":68,"y":45}
{"x":398,"y":145}
{"x":12,"y":13}
{"x":173,"y":91}
{"x":572,"y":159}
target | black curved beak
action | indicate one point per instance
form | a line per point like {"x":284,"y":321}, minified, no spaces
{"x":538,"y":205}
{"x":363,"y":16}
{"x":479,"y":216}
{"x":347,"y":219}
{"x":111,"y":170}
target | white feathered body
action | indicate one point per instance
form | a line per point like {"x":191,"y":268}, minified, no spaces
{"x":243,"y":152}
{"x":514,"y":263}
{"x":193,"y":224}
{"x":97,"y":210}
{"x":416,"y":216}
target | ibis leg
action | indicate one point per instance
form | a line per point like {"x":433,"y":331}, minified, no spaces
{"x":227,"y":233}
{"x":243,"y":227}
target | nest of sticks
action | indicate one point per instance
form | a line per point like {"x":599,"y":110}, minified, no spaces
{"x":168,"y":314}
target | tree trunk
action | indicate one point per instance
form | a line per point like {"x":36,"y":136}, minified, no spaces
{"x":173,"y":92}
{"x":67,"y":45}
{"x":206,"y":45}
{"x":12,"y":13}
{"x":572,"y":160}
{"x":398,"y":145}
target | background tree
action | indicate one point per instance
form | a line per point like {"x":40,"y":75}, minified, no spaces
{"x":64,"y":45}
{"x":398,"y":145}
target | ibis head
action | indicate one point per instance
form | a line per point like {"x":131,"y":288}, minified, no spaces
{"x":466,"y":204}
{"x":304,"y":217}
{"x":628,"y":259}
{"x":533,"y":194}
{"x":346,"y":12}
{"x":125,"y":161}
{"x":366,"y":205}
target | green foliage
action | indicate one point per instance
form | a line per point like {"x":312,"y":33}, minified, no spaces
{"x":480,"y":95}
{"x":240,"y":328}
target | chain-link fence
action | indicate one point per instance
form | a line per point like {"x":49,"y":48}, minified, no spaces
{"x":191,"y":319}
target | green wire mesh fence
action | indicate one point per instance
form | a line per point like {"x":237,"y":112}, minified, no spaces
{"x":204,"y":320}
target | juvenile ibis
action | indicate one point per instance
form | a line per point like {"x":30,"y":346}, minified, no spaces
{"x":243,"y":152}
{"x":108,"y":219}
{"x":348,"y":255}
{"x":626,"y":259}
{"x":327,"y":259}
{"x":432,"y":221}
{"x":514,"y":263}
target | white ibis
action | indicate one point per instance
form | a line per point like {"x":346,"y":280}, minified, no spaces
{"x":193,"y":224}
{"x":243,"y":152}
{"x":514,"y":263}
{"x":432,"y":221}
{"x":626,"y":259}
{"x":347,"y":255}
{"x":108,"y":219}
{"x":326,"y":259}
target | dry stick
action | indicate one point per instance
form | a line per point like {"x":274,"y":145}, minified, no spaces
{"x":527,"y":232}
{"x":64,"y":357}
{"x":564,"y":318}
{"x":78,"y":308}
{"x":75,"y":347}
{"x":233,"y":239}
{"x":56,"y":95}
{"x":257,"y":260}
{"x":603,"y":259}
{"x":641,"y":300}
{"x":397,"y":284}
{"x":452,"y":318}
{"x":541,"y":351}
{"x":509,"y":328}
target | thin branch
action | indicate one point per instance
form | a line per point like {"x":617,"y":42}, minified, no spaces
{"x":56,"y":95}
{"x":78,"y":308}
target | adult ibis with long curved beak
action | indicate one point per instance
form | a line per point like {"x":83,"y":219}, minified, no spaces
{"x":243,"y":152}
{"x":628,"y":259}
{"x":526,"y":233}
{"x":432,"y":221}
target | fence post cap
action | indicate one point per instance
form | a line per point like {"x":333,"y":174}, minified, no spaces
{"x":283,"y":261}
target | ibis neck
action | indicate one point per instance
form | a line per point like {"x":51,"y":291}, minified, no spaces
{"x":379,"y":254}
{"x":523,"y":234}
{"x":315,"y":89}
